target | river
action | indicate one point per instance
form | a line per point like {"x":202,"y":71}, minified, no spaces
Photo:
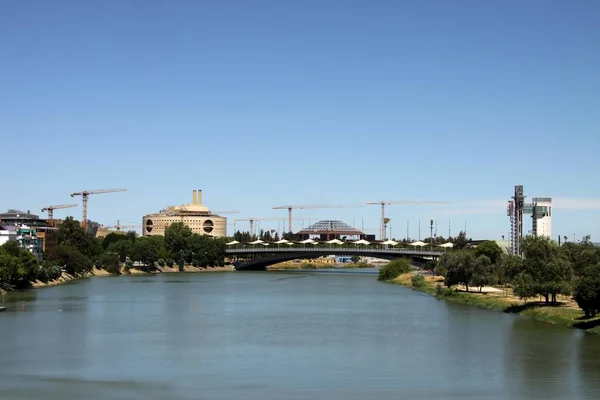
{"x":279,"y":335}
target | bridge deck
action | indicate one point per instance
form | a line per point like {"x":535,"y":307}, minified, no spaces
{"x":334,"y":250}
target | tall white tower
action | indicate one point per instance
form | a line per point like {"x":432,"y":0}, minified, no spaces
{"x":542,"y":216}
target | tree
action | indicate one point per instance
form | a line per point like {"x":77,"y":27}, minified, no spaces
{"x":508,"y":268}
{"x":587,"y":290}
{"x":144,"y":251}
{"x":72,"y":234}
{"x":490,"y":249}
{"x":460,"y":266}
{"x":110,"y":263}
{"x":10,"y":270}
{"x":482,"y":272}
{"x":430,"y":266}
{"x":461,"y":242}
{"x":176,"y":238}
{"x":524,"y":286}
{"x":75,"y":262}
{"x":355,"y":258}
{"x":548,"y":268}
{"x":122,"y":248}
{"x":393,"y":269}
{"x":113,"y":237}
{"x":582,"y":254}
{"x":159,"y":243}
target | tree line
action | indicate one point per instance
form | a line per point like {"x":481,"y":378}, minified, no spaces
{"x":546,"y":269}
{"x":78,"y":252}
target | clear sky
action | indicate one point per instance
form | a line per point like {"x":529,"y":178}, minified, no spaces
{"x":264,"y":103}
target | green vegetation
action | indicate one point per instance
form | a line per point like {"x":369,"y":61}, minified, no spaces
{"x":546,"y":271}
{"x":393,"y":269}
{"x":78,"y":252}
{"x":18,"y":268}
{"x":417,"y":280}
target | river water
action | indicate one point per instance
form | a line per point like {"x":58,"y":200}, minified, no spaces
{"x":271,"y":335}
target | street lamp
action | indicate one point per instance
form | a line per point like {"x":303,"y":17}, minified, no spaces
{"x":385,"y":222}
{"x":431,"y":235}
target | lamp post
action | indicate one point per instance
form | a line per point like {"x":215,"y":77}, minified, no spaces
{"x":431,"y":236}
{"x":385,"y":223}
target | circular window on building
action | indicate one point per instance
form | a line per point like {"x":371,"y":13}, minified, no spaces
{"x":208,"y":226}
{"x":149,"y":225}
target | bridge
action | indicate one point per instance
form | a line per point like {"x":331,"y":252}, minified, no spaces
{"x":261,"y":258}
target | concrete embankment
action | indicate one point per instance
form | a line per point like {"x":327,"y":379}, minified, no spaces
{"x":565,"y":312}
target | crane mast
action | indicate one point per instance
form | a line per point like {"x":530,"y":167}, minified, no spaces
{"x":289,"y":208}
{"x":51,"y":209}
{"x":84,"y":200}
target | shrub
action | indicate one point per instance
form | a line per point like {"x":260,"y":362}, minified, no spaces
{"x":110,"y":262}
{"x":308,"y":266}
{"x":441,"y":271}
{"x":439,"y":290}
{"x":170,"y":262}
{"x":417,"y":280}
{"x":48,"y":271}
{"x":393,"y":269}
{"x":161,"y":262}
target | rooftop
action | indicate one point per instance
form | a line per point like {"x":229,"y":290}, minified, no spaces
{"x":330,"y":227}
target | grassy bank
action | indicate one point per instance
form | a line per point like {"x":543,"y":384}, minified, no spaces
{"x":565,"y":312}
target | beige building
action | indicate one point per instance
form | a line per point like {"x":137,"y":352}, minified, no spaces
{"x":195,"y":215}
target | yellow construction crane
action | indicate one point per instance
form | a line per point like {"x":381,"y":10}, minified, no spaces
{"x":84,"y":199}
{"x":51,"y":209}
{"x":291,"y":207}
{"x":383,"y":203}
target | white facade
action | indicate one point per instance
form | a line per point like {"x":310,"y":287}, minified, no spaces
{"x":7,"y":236}
{"x":542,"y":218}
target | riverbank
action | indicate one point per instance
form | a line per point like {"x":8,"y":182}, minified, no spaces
{"x":302,"y":266}
{"x":565,"y":312}
{"x":65,"y":278}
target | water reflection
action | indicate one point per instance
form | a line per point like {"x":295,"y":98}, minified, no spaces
{"x":281,"y":335}
{"x":540,"y":362}
{"x":588,"y":351}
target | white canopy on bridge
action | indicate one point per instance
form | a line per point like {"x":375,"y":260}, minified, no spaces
{"x":390,"y":242}
{"x":334,"y":241}
{"x":308,"y":241}
{"x":265,"y":244}
{"x":232,"y":243}
{"x":282,"y":241}
{"x":419,"y":243}
{"x":257,"y":241}
{"x":362,"y":241}
{"x":448,"y":245}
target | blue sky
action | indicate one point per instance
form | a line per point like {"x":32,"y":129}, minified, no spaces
{"x":263,"y":103}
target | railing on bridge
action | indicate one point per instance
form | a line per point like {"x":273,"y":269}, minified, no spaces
{"x":332,"y":249}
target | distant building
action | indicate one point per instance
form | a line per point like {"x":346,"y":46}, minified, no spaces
{"x":541,"y":216}
{"x":195,"y":215}
{"x":14,"y":217}
{"x":28,"y":239}
{"x":7,"y":235}
{"x":329,"y":230}
{"x":26,"y":236}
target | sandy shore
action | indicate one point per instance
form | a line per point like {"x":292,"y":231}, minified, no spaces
{"x":64,"y":278}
